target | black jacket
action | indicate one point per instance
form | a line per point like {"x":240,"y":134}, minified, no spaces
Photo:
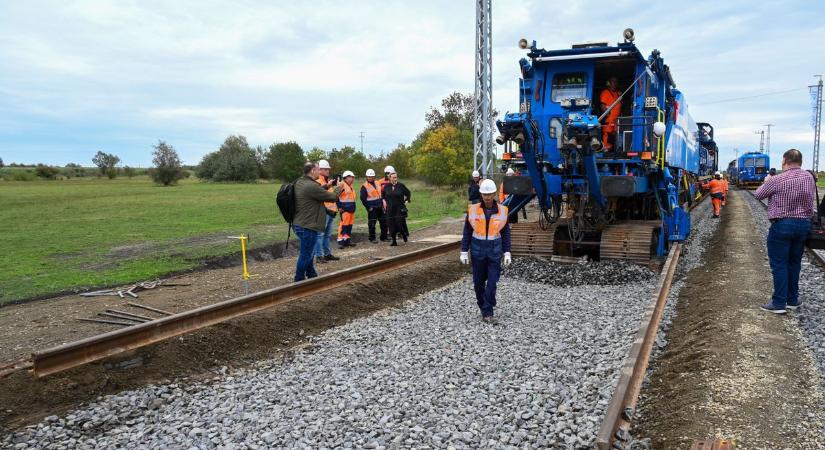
{"x":396,"y":195}
{"x":473,"y":193}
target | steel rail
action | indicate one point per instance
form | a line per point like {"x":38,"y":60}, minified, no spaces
{"x":74,"y":354}
{"x":623,"y":403}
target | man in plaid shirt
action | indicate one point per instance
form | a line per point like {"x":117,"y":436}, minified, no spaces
{"x":791,"y":197}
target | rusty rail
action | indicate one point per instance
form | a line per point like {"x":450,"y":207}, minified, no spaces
{"x":74,"y":354}
{"x":623,"y":404}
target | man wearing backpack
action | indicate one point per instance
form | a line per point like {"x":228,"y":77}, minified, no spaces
{"x":310,"y":217}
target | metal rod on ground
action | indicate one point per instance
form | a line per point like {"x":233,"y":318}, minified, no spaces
{"x":149,"y":308}
{"x":118,"y":316}
{"x":128,"y":324}
{"x":128,"y":314}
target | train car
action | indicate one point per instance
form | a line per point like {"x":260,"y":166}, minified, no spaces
{"x":752,"y":169}
{"x":628,"y":202}
{"x":733,"y":173}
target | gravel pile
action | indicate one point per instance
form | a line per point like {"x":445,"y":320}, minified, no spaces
{"x":602,"y":273}
{"x":811,"y":315}
{"x":426,"y":375}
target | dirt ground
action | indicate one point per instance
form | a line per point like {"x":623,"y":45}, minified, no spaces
{"x":44,"y":323}
{"x":731,"y":370}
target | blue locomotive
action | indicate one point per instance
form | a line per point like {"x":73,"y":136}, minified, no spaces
{"x":614,"y":190}
{"x":752,"y":167}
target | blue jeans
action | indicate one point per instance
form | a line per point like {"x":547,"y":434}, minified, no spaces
{"x":486,"y":272}
{"x":322,"y":242}
{"x":305,"y":267}
{"x":786,"y":243}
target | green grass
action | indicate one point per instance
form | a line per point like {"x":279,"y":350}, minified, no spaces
{"x":86,"y":232}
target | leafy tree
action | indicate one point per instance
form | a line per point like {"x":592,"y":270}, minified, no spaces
{"x":260,"y":158}
{"x":401,"y":159}
{"x":284,"y":161}
{"x":457,"y":110}
{"x":316,"y":154}
{"x":128,"y":171}
{"x":445,"y":156}
{"x":234,"y":161}
{"x":47,"y":172}
{"x":73,"y":170}
{"x":105,"y":161}
{"x":167,"y":169}
{"x":1,"y":163}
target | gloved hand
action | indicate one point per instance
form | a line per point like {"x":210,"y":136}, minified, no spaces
{"x":464,"y":258}
{"x":507,"y":259}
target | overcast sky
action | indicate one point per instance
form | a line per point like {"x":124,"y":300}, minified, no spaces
{"x":78,"y":77}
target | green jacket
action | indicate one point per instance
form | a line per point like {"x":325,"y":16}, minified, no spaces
{"x":309,"y":204}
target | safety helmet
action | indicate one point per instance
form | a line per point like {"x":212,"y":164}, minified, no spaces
{"x":389,"y":169}
{"x":487,"y":187}
{"x":476,"y":174}
{"x":347,"y":173}
{"x":324,"y":164}
{"x":718,"y":174}
{"x":510,"y":171}
{"x":370,"y":173}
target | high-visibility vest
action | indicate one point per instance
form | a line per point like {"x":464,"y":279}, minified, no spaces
{"x":331,"y":206}
{"x":373,"y":192}
{"x":346,"y":198}
{"x":481,"y":229}
{"x":715,"y":186}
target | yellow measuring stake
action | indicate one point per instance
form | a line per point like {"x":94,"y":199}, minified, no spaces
{"x":246,"y":275}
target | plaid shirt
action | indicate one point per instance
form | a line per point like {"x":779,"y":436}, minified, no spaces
{"x":791,"y":194}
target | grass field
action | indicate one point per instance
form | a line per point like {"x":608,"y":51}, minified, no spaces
{"x":85,"y":232}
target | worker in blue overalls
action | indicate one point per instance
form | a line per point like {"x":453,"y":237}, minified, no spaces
{"x":486,"y":240}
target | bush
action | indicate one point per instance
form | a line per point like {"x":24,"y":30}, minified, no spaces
{"x":19,"y":175}
{"x":284,"y":161}
{"x":234,"y":161}
{"x":73,"y":170}
{"x":46,"y":172}
{"x":111,"y":173}
{"x":167,"y":170}
{"x":129,"y":172}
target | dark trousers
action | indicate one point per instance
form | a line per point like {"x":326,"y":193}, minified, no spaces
{"x":398,"y":224}
{"x":305,"y":267}
{"x":376,"y":214}
{"x":486,"y":272}
{"x":786,"y":244}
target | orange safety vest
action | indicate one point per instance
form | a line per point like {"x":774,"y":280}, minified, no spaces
{"x":715,"y":186}
{"x":347,"y":198}
{"x":381,"y":183}
{"x":481,"y":229}
{"x":607,"y":97}
{"x":331,"y":206}
{"x":373,"y":192}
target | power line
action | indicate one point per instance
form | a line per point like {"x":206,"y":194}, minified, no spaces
{"x":751,"y":96}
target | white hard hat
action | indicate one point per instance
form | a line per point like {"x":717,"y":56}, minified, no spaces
{"x":476,"y":174}
{"x":324,"y":164}
{"x":370,"y":173}
{"x":487,"y":187}
{"x":389,"y":169}
{"x":347,"y":173}
{"x":510,"y":171}
{"x":718,"y":174}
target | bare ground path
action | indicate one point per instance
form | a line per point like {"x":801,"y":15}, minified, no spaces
{"x":731,"y":370}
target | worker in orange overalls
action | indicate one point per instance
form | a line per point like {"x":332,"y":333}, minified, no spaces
{"x":346,"y":204}
{"x":725,"y":198}
{"x":487,"y":238}
{"x":717,"y":192}
{"x":607,"y":97}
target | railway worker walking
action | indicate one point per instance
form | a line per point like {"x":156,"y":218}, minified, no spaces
{"x":791,"y":198}
{"x":502,"y":196}
{"x":486,"y":240}
{"x":322,"y":250}
{"x":725,"y":193}
{"x":608,"y":96}
{"x":310,"y":217}
{"x":371,"y":199}
{"x":717,"y":193}
{"x":346,"y":204}
{"x":473,"y":195}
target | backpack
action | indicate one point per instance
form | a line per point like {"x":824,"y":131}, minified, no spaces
{"x":286,"y":201}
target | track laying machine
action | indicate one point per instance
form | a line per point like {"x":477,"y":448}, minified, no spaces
{"x":621,"y":199}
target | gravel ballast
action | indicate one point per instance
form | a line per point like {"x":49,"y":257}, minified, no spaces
{"x":427,"y":375}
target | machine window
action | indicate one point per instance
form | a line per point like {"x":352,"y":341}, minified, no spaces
{"x":569,"y":86}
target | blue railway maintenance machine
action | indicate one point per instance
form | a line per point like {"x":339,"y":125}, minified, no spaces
{"x":752,"y":168}
{"x":627,"y":202}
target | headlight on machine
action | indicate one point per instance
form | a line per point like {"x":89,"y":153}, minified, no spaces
{"x":566,"y":103}
{"x":584,"y":101}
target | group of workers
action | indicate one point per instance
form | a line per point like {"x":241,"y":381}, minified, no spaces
{"x":320,"y":198}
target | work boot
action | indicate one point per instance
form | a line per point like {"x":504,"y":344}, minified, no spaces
{"x":394,"y":244}
{"x":320,"y":260}
{"x":405,"y":237}
{"x":350,"y":244}
{"x":331,"y":257}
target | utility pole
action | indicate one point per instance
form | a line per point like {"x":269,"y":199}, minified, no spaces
{"x":761,"y":134}
{"x":736,"y":150}
{"x":816,"y":122}
{"x":362,"y":142}
{"x":483,"y":158}
{"x":768,"y":140}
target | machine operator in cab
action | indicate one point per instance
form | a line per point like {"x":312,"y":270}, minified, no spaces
{"x":607,"y":97}
{"x":486,"y":241}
